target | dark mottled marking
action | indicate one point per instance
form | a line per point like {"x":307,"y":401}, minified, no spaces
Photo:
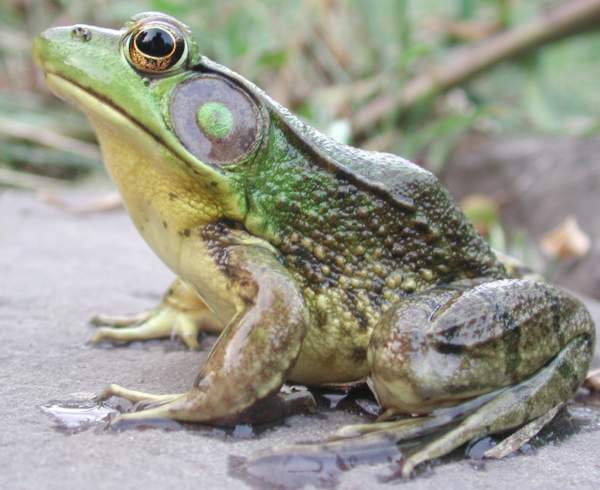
{"x":510,"y":339}
{"x":232,"y":224}
{"x":173,"y":196}
{"x":185,"y":232}
{"x":321,"y":318}
{"x":359,"y":354}
{"x":552,"y":300}
{"x":449,"y":333}
{"x":513,"y":355}
{"x":452,"y":349}
{"x":566,"y":371}
{"x":165,"y":225}
{"x":217,"y":237}
{"x":570,"y":376}
{"x":362,"y":321}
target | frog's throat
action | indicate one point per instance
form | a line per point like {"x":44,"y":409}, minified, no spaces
{"x":102,"y":107}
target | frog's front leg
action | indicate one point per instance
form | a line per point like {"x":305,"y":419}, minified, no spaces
{"x":181,"y":313}
{"x":252,"y":356}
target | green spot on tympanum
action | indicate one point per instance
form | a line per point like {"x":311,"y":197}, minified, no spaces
{"x":215,"y":120}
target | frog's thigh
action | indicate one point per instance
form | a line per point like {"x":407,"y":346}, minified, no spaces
{"x":530,"y":341}
{"x":446,"y":345}
{"x":181,"y":312}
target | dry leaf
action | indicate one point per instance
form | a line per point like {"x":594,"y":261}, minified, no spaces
{"x":482,"y":211}
{"x":592,"y":382}
{"x":566,"y":241}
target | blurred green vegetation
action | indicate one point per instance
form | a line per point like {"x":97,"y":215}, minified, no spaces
{"x":324,"y":59}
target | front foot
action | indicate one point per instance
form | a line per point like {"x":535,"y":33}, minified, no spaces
{"x":179,"y":406}
{"x":162,"y":322}
{"x":147,"y":406}
{"x":133,"y":395}
{"x":181,"y":314}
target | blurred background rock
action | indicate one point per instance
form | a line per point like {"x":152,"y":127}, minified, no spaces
{"x":516,"y":139}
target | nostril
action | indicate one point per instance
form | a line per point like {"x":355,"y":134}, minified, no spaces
{"x":81,"y":33}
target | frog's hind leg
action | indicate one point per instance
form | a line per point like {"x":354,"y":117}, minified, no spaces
{"x":521,"y":347}
{"x":428,"y":437}
{"x":181,"y":313}
{"x":513,"y":407}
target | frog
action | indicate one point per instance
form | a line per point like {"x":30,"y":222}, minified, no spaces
{"x":314,"y":262}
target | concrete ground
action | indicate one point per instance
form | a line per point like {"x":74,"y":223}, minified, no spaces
{"x":57,"y":269}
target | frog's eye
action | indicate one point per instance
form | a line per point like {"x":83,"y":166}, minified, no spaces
{"x":156,"y":48}
{"x":216,"y":120}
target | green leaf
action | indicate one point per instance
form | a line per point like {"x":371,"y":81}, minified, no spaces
{"x":273,"y":59}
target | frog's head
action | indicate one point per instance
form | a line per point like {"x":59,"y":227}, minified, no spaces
{"x":168,"y":124}
{"x":187,"y":140}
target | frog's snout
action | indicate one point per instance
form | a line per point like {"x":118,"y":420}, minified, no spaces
{"x":47,"y":44}
{"x":55,"y":43}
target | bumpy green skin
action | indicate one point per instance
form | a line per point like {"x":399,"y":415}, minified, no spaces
{"x":355,"y":249}
{"x":325,"y":263}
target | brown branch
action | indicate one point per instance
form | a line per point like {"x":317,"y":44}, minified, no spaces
{"x":572,"y":17}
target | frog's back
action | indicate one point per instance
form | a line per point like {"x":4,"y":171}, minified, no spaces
{"x":420,"y":206}
{"x":339,"y":211}
{"x":313,"y":165}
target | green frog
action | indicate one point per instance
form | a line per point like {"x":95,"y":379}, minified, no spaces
{"x":315,"y":263}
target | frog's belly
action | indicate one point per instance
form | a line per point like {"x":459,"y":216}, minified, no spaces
{"x":332,"y":353}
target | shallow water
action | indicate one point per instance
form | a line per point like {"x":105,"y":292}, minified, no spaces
{"x":321,"y":466}
{"x":318,"y":464}
{"x":76,"y":415}
{"x":84,"y":412}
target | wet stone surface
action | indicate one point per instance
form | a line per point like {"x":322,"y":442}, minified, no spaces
{"x":58,"y":269}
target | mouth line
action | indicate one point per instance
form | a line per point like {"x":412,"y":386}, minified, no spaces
{"x":202,"y":171}
{"x":107,"y":102}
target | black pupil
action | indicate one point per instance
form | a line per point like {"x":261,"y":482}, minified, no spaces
{"x":155,"y":42}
